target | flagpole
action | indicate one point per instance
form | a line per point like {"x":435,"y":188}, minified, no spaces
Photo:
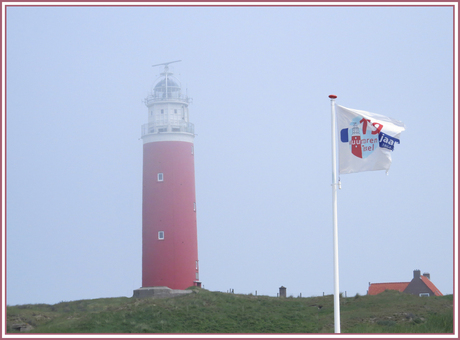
{"x":334,"y":218}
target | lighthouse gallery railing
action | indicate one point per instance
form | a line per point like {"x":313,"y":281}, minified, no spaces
{"x":152,"y":128}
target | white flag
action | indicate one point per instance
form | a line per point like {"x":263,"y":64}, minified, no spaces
{"x":366,"y":140}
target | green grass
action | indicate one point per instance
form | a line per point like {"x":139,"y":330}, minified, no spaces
{"x":213,"y":312}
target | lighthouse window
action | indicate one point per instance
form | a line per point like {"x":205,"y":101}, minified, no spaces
{"x":161,"y":235}
{"x":194,"y":206}
{"x":175,"y":111}
{"x":160,"y":177}
{"x":162,"y":111}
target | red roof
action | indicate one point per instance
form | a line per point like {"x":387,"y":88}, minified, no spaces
{"x":377,"y":288}
{"x":431,"y":286}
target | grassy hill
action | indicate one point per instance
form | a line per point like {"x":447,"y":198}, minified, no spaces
{"x":204,"y":311}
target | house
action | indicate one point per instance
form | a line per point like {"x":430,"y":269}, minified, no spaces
{"x":420,"y":285}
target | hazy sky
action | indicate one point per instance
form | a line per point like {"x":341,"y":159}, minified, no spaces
{"x":260,"y":79}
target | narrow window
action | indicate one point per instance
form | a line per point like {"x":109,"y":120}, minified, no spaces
{"x":192,"y":150}
{"x":160,"y":177}
{"x":196,"y":264}
{"x":162,"y":111}
{"x":197,"y":276}
{"x":175,"y":111}
{"x":194,"y":206}
{"x":161,"y":235}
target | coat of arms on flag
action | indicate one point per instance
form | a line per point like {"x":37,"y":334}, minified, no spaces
{"x":366,"y":140}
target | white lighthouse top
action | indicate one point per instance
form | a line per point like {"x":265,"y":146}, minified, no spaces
{"x":168,"y":117}
{"x":168,"y":88}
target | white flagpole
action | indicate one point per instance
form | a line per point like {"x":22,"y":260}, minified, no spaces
{"x":334,"y":209}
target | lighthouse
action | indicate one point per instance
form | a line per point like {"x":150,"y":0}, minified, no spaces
{"x":169,"y":224}
{"x":356,"y":142}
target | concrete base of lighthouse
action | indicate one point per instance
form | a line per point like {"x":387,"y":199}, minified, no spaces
{"x":159,"y":292}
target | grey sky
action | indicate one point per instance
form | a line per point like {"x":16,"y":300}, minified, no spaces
{"x":260,"y":79}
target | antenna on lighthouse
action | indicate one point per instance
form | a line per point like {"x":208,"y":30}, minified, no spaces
{"x":166,"y":64}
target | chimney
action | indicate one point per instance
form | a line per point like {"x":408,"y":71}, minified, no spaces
{"x":427,"y":275}
{"x":416,"y":274}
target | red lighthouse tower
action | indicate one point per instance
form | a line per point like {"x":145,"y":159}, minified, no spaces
{"x":355,"y":142}
{"x":169,"y":228}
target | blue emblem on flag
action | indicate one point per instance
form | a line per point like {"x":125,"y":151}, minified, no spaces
{"x":387,"y":142}
{"x":361,"y":138}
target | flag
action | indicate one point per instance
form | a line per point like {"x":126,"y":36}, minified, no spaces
{"x":366,"y":140}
